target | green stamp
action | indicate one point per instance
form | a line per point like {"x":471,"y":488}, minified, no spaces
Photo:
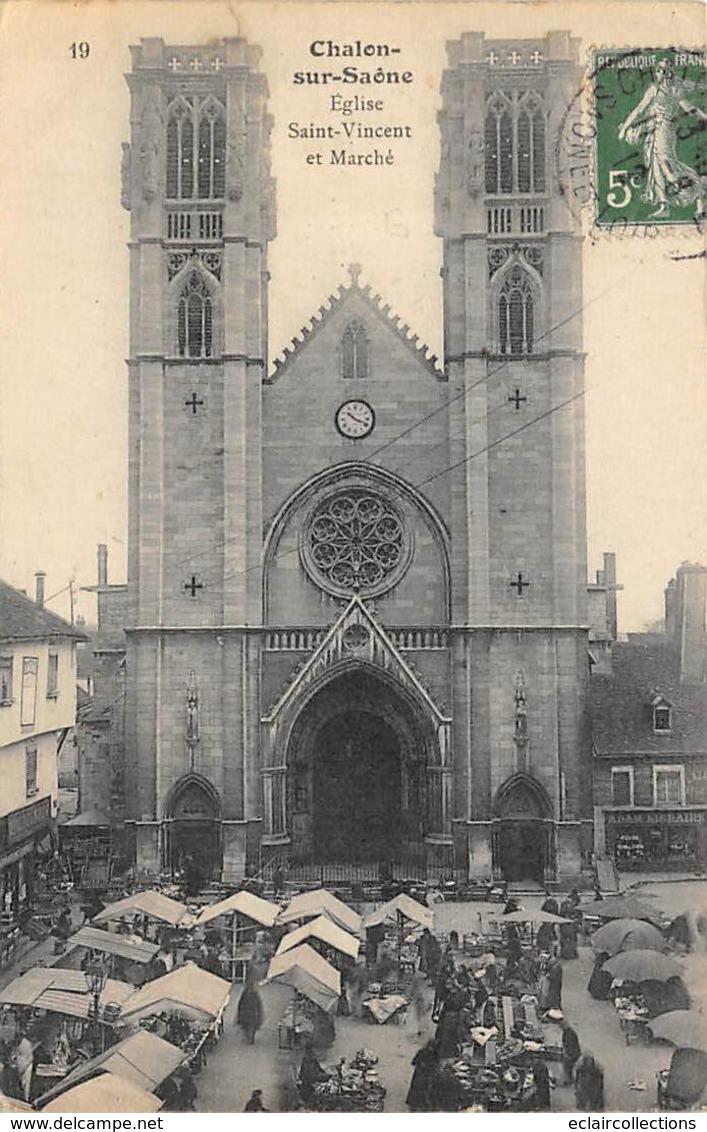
{"x":650,"y":136}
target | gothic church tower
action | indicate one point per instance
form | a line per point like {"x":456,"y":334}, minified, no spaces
{"x":514,"y":361}
{"x":196,"y":179}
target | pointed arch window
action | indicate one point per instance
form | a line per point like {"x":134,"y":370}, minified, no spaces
{"x":196,"y":149}
{"x":354,"y":351}
{"x":515,"y":143}
{"x":516,"y":314}
{"x":195,"y":319}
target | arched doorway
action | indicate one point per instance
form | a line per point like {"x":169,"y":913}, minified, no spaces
{"x":356,"y":774}
{"x":522,"y":849}
{"x":193,"y":833}
{"x":357,"y":789}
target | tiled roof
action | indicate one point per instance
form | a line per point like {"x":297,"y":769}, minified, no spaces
{"x":621,"y":704}
{"x":21,"y":619}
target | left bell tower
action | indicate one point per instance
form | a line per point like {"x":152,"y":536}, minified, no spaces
{"x":196,"y":179}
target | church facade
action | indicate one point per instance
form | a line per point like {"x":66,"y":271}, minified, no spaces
{"x":356,"y":615}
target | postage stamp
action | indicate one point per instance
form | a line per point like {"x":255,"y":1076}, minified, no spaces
{"x":650,"y":137}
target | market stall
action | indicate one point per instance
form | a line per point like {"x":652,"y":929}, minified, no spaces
{"x":321,"y":931}
{"x":128,"y":956}
{"x":352,"y":1085}
{"x":643,"y":985}
{"x":185,"y":1007}
{"x":310,"y":905}
{"x":247,"y":914}
{"x":143,"y":1059}
{"x":147,"y":907}
{"x":106,"y":1093}
{"x":627,"y":935}
{"x":314,"y":981}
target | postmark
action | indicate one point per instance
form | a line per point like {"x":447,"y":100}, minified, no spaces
{"x":632,"y":144}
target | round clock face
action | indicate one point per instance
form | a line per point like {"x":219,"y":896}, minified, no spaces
{"x":355,"y":419}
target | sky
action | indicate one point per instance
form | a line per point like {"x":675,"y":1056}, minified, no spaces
{"x":63,"y":327}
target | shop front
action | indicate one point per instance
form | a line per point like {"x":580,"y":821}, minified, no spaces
{"x":657,"y":839}
{"x":22,"y":832}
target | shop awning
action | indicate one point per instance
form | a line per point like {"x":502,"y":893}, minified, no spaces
{"x":150,"y":903}
{"x":325,"y":930}
{"x":186,"y":990}
{"x":244,"y":904}
{"x":404,"y":905}
{"x":143,"y":1059}
{"x":310,"y":974}
{"x":106,"y":1093}
{"x":110,"y":943}
{"x":309,"y":905}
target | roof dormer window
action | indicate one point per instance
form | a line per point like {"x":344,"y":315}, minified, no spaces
{"x":662,"y":715}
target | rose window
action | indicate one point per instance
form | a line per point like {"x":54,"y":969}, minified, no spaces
{"x":354,"y":541}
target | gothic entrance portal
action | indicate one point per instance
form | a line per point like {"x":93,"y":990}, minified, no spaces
{"x":357,"y":790}
{"x":522,"y":835}
{"x":193,"y":833}
{"x":356,"y":775}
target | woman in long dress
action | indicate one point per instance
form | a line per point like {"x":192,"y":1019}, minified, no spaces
{"x":653,"y":122}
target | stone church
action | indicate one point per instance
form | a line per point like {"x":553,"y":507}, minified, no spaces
{"x":356,"y":610}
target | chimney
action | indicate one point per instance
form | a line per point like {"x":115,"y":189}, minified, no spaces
{"x":102,"y":564}
{"x":671,"y":594}
{"x":691,"y":605}
{"x":39,"y":588}
{"x":609,"y":573}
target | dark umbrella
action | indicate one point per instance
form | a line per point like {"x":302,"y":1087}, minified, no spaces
{"x":621,"y":908}
{"x":639,"y":966}
{"x":685,"y":1029}
{"x":627,"y":935}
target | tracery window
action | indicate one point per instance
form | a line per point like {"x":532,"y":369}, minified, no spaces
{"x":354,"y":351}
{"x":195,"y":319}
{"x":515,"y":143}
{"x":516,"y":314}
{"x":196,"y":149}
{"x":355,"y":540}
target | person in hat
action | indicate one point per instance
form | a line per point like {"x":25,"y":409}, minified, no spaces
{"x":310,"y":1074}
{"x":255,"y":1102}
{"x":549,"y":904}
{"x":553,"y":989}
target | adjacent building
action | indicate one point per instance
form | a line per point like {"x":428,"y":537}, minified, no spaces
{"x":37,"y":710}
{"x":649,"y":724}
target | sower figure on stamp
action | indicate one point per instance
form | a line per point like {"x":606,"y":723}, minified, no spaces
{"x":653,"y":122}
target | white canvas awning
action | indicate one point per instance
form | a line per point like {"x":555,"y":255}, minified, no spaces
{"x":143,"y":1059}
{"x":402,"y":905}
{"x":61,"y":991}
{"x":106,"y":1093}
{"x":325,"y":930}
{"x":309,"y":905}
{"x":150,"y":903}
{"x":306,"y":971}
{"x":186,"y":990}
{"x":243,"y":904}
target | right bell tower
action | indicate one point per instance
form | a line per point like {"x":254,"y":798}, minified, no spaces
{"x":513,"y":346}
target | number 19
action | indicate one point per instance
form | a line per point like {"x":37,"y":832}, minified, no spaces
{"x":80,"y":50}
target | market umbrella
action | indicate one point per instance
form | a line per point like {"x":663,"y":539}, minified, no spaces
{"x":621,"y":908}
{"x":533,"y":916}
{"x":627,"y":935}
{"x":641,"y":965}
{"x":685,"y":1029}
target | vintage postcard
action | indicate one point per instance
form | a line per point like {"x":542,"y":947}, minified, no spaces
{"x":353,"y":515}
